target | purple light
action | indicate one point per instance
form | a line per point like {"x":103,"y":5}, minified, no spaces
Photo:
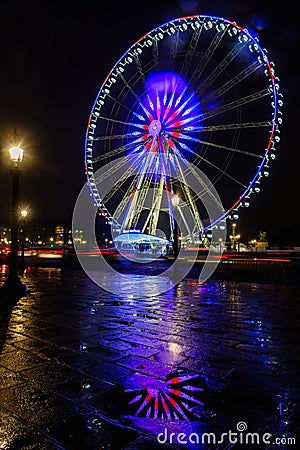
{"x":174,"y":398}
{"x":168,"y":116}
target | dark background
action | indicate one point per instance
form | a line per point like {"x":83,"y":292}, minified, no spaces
{"x":55,"y":57}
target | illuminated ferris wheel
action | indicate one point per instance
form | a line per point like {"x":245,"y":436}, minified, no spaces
{"x":197,"y":95}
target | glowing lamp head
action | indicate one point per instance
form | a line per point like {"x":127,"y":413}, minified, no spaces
{"x":175,"y":201}
{"x":24,"y":213}
{"x":16,"y":154}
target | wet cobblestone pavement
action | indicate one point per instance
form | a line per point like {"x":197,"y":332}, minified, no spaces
{"x":81,"y":368}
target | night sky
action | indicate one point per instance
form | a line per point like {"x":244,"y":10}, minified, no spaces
{"x":54,"y":58}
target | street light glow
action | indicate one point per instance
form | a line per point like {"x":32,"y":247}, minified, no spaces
{"x":175,"y":200}
{"x":24,"y":213}
{"x":16,"y":154}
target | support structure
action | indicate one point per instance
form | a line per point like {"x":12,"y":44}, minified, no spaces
{"x":13,"y":287}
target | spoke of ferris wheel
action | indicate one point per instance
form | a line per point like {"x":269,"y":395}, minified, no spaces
{"x":159,"y":189}
{"x":233,"y":105}
{"x":188,"y":228}
{"x":159,"y":171}
{"x":117,"y":151}
{"x":174,"y":49}
{"x":223,"y":147}
{"x":222,"y":172}
{"x":190,"y":52}
{"x":219,"y":69}
{"x":112,"y":137}
{"x":119,"y":163}
{"x":207,"y":188}
{"x":185,"y":203}
{"x":189,"y":202}
{"x":132,"y":91}
{"x":186,"y":121}
{"x":129,"y":87}
{"x":207,"y":56}
{"x":229,"y":126}
{"x":131,"y":171}
{"x":141,"y":201}
{"x":164,"y":156}
{"x":170,"y":103}
{"x":133,"y":200}
{"x":150,"y":222}
{"x":143,"y":191}
{"x":177,"y":112}
{"x":185,"y":188}
{"x":189,"y":168}
{"x":201,"y":158}
{"x":139,"y":67}
{"x":109,"y":119}
{"x":125,"y":198}
{"x":230,"y":149}
{"x":234,"y":81}
{"x":155,"y":55}
{"x":127,"y":207}
{"x":123,"y":104}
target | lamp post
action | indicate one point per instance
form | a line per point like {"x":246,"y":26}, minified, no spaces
{"x":175,"y":202}
{"x":13,"y":287}
{"x":238,"y":237}
{"x":221,"y":245}
{"x":23,"y":214}
{"x":233,"y":237}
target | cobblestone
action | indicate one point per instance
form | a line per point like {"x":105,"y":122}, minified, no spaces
{"x":81,"y":368}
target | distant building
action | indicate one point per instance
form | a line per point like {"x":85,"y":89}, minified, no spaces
{"x":78,"y":237}
{"x":4,"y":235}
{"x":59,"y":235}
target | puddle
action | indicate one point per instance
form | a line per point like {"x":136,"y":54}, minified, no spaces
{"x":181,"y":396}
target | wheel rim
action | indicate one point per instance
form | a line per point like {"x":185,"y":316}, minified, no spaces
{"x":199,"y":92}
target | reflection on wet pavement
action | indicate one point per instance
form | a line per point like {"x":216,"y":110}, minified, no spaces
{"x":176,"y":397}
{"x":82,"y":368}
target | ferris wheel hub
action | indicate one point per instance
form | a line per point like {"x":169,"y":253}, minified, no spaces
{"x":154,"y":127}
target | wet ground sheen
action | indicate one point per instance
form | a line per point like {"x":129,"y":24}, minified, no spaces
{"x":82,"y":368}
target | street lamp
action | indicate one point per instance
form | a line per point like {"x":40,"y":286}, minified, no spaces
{"x":175,"y":203}
{"x":233,"y":237}
{"x":13,"y":287}
{"x":237,"y":238}
{"x":221,"y":245}
{"x":23,"y":214}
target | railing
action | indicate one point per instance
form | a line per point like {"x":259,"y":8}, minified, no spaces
{"x":264,"y":270}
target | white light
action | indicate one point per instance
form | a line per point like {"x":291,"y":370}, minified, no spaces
{"x":24,"y":213}
{"x":16,"y":154}
{"x":175,"y":201}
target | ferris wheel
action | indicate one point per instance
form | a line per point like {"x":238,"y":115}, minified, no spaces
{"x":196,"y":95}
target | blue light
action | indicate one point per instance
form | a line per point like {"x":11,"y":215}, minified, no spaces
{"x":168,"y":116}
